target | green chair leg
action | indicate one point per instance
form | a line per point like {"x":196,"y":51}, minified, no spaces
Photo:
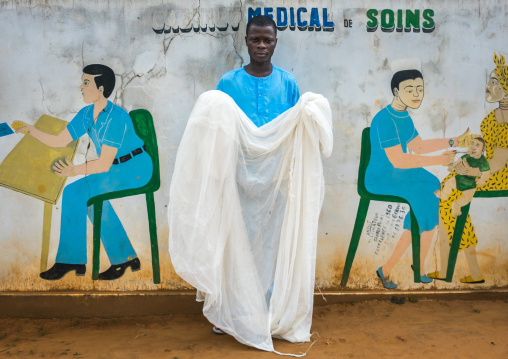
{"x":96,"y":247}
{"x":361,"y":215}
{"x":415,"y":239}
{"x":143,"y":125}
{"x":365,"y":198}
{"x":457,"y":236}
{"x":150,"y":205}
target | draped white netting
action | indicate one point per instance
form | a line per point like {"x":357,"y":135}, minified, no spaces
{"x":243,"y":217}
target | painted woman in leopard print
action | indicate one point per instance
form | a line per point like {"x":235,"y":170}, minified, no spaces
{"x":494,"y":129}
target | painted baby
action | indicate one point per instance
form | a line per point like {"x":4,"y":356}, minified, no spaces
{"x":466,"y":184}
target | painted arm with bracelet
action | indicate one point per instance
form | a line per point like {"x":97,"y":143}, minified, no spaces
{"x":481,"y":174}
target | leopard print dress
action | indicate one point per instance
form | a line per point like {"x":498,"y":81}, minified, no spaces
{"x":495,"y":135}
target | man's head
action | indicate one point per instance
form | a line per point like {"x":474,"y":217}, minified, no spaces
{"x":103,"y":77}
{"x":261,"y":38}
{"x":261,"y":20}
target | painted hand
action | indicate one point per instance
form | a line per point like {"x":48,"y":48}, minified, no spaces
{"x":64,"y":169}
{"x":480,"y":182}
{"x":446,"y":158}
{"x":463,"y":168}
{"x":21,"y":127}
{"x":465,"y":139}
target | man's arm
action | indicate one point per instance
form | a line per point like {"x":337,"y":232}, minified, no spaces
{"x":60,"y":140}
{"x":103,"y":164}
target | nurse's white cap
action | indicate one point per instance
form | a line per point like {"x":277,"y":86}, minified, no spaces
{"x":406,"y":64}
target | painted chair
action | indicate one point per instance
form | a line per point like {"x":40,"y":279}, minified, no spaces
{"x":363,"y":207}
{"x":143,"y":125}
{"x":459,"y":230}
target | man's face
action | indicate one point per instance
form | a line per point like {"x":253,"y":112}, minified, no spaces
{"x":475,"y":149}
{"x":261,"y":42}
{"x":89,"y":89}
{"x":411,"y":92}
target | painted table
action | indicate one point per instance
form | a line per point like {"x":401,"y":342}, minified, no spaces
{"x":27,"y":169}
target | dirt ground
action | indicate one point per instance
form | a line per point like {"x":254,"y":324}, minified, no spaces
{"x":373,"y":329}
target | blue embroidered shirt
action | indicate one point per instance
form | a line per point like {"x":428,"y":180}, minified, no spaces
{"x":261,"y":98}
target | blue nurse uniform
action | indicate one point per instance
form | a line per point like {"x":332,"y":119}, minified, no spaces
{"x":417,"y":185}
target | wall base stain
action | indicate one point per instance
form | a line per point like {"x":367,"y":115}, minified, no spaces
{"x":363,"y":272}
{"x":26,"y":277}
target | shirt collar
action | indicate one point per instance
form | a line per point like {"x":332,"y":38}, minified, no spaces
{"x":90,"y":113}
{"x":108,"y":106}
{"x":396,"y":113}
{"x":254,"y":78}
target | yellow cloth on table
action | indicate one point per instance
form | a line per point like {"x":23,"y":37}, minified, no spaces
{"x":27,"y":168}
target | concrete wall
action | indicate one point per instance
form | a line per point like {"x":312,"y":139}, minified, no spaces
{"x":47,"y":43}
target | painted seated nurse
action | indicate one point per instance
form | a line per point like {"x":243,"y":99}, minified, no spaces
{"x":392,"y":170}
{"x":122,"y":164}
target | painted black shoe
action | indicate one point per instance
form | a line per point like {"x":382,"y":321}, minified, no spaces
{"x":117,"y":270}
{"x":60,"y":269}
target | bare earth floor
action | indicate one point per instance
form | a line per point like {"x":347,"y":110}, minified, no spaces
{"x":373,"y":329}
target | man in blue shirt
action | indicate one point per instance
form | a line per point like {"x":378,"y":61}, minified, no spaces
{"x":261,"y":90}
{"x":122,"y":164}
{"x":245,"y":201}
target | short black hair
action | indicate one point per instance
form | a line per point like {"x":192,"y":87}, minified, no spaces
{"x":104,"y":77}
{"x":404,"y":75}
{"x":261,"y":20}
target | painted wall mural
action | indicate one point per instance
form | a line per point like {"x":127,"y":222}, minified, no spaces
{"x":418,"y":174}
{"x":394,"y":172}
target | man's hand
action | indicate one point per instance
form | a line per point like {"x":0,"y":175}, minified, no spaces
{"x":64,"y":169}
{"x":480,"y":182}
{"x":21,"y":127}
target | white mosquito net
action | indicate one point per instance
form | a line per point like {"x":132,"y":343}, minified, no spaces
{"x":243,"y":217}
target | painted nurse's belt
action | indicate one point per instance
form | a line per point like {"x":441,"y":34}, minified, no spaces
{"x":128,"y":156}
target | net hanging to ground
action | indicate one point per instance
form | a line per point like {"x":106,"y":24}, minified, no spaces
{"x":243,"y":217}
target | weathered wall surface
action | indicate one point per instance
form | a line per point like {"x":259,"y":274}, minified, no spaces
{"x":47,"y":43}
